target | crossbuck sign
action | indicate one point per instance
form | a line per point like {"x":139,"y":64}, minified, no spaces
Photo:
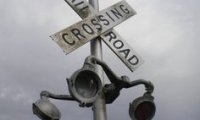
{"x":99,"y":25}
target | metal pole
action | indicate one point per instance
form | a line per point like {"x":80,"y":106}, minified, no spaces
{"x":99,"y":107}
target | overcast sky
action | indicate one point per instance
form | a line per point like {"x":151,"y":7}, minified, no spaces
{"x":165,"y":33}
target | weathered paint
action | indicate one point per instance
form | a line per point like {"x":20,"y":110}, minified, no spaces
{"x":91,"y":27}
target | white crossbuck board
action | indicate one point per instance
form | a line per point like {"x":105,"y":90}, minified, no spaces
{"x":91,"y":27}
{"x":94,"y":25}
{"x":113,"y":40}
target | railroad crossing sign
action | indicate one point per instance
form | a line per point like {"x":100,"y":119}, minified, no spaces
{"x":99,"y":24}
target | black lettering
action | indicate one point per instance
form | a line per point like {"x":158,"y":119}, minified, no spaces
{"x":80,"y":4}
{"x":118,"y":44}
{"x":73,"y":1}
{"x":77,"y":4}
{"x":96,"y":24}
{"x":116,"y":13}
{"x":68,"y":42}
{"x":125,"y":10}
{"x":101,"y":18}
{"x":111,"y":35}
{"x":87,"y":28}
{"x":133,"y":60}
{"x":86,"y":7}
{"x":77,"y":33}
{"x":126,"y":52}
{"x":110,"y":16}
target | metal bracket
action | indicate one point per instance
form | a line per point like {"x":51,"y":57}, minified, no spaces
{"x":112,"y":91}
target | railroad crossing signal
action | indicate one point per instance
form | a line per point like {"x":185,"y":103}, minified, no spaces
{"x":99,"y":25}
{"x":85,"y":84}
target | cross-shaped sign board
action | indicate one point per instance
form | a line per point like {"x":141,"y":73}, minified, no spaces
{"x":99,"y":24}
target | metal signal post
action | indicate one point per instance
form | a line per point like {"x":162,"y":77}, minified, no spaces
{"x":99,"y":106}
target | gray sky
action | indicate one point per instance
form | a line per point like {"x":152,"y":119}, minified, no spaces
{"x":164,"y":34}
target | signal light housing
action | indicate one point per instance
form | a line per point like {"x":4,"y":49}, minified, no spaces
{"x":84,"y":85}
{"x":45,"y":110}
{"x":142,"y":108}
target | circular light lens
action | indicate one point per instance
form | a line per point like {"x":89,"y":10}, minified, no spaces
{"x":86,"y":84}
{"x":145,"y":111}
{"x":45,"y":110}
